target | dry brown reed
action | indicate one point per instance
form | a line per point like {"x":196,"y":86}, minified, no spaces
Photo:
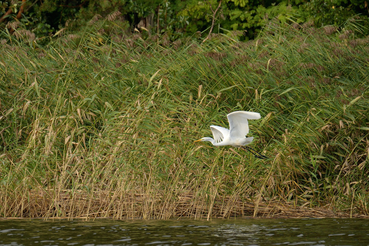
{"x":120,"y":205}
{"x":113,"y":16}
{"x":26,"y":35}
{"x":329,"y":30}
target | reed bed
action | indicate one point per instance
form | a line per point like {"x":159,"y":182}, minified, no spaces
{"x":102,"y":123}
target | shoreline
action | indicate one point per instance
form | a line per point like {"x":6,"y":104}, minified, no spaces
{"x":145,"y":207}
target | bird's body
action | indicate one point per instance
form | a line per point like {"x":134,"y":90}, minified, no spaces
{"x":236,"y":134}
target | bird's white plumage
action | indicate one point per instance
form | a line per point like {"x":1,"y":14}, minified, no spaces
{"x":238,"y":124}
{"x":238,"y":129}
{"x":219,"y":133}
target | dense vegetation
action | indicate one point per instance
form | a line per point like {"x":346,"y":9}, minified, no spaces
{"x":101,"y":123}
{"x":176,"y":18}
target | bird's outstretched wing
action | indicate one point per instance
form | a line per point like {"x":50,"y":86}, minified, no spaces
{"x":219,"y":133}
{"x":238,"y":124}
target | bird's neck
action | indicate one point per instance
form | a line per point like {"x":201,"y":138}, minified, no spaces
{"x":209,"y":139}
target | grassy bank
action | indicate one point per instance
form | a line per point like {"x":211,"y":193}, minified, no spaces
{"x":102,"y":124}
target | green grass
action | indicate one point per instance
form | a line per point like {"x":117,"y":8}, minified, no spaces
{"x":102,"y":124}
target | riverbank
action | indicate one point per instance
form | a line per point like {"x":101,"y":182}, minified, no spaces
{"x":142,"y":206}
{"x":102,"y":124}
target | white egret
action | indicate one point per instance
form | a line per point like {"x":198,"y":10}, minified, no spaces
{"x":236,"y":135}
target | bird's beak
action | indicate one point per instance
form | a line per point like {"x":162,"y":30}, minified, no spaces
{"x":198,"y":140}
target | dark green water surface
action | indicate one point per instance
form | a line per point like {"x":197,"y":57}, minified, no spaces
{"x":186,"y":232}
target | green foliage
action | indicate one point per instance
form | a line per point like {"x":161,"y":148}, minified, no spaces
{"x":249,"y":16}
{"x":254,"y":18}
{"x":334,"y":12}
{"x":181,"y":18}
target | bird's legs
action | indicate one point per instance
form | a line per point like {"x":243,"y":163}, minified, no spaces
{"x":255,"y":153}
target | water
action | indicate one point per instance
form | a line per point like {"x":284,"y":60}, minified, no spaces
{"x":186,"y":232}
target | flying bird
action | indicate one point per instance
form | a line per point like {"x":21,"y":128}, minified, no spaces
{"x":236,"y":134}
